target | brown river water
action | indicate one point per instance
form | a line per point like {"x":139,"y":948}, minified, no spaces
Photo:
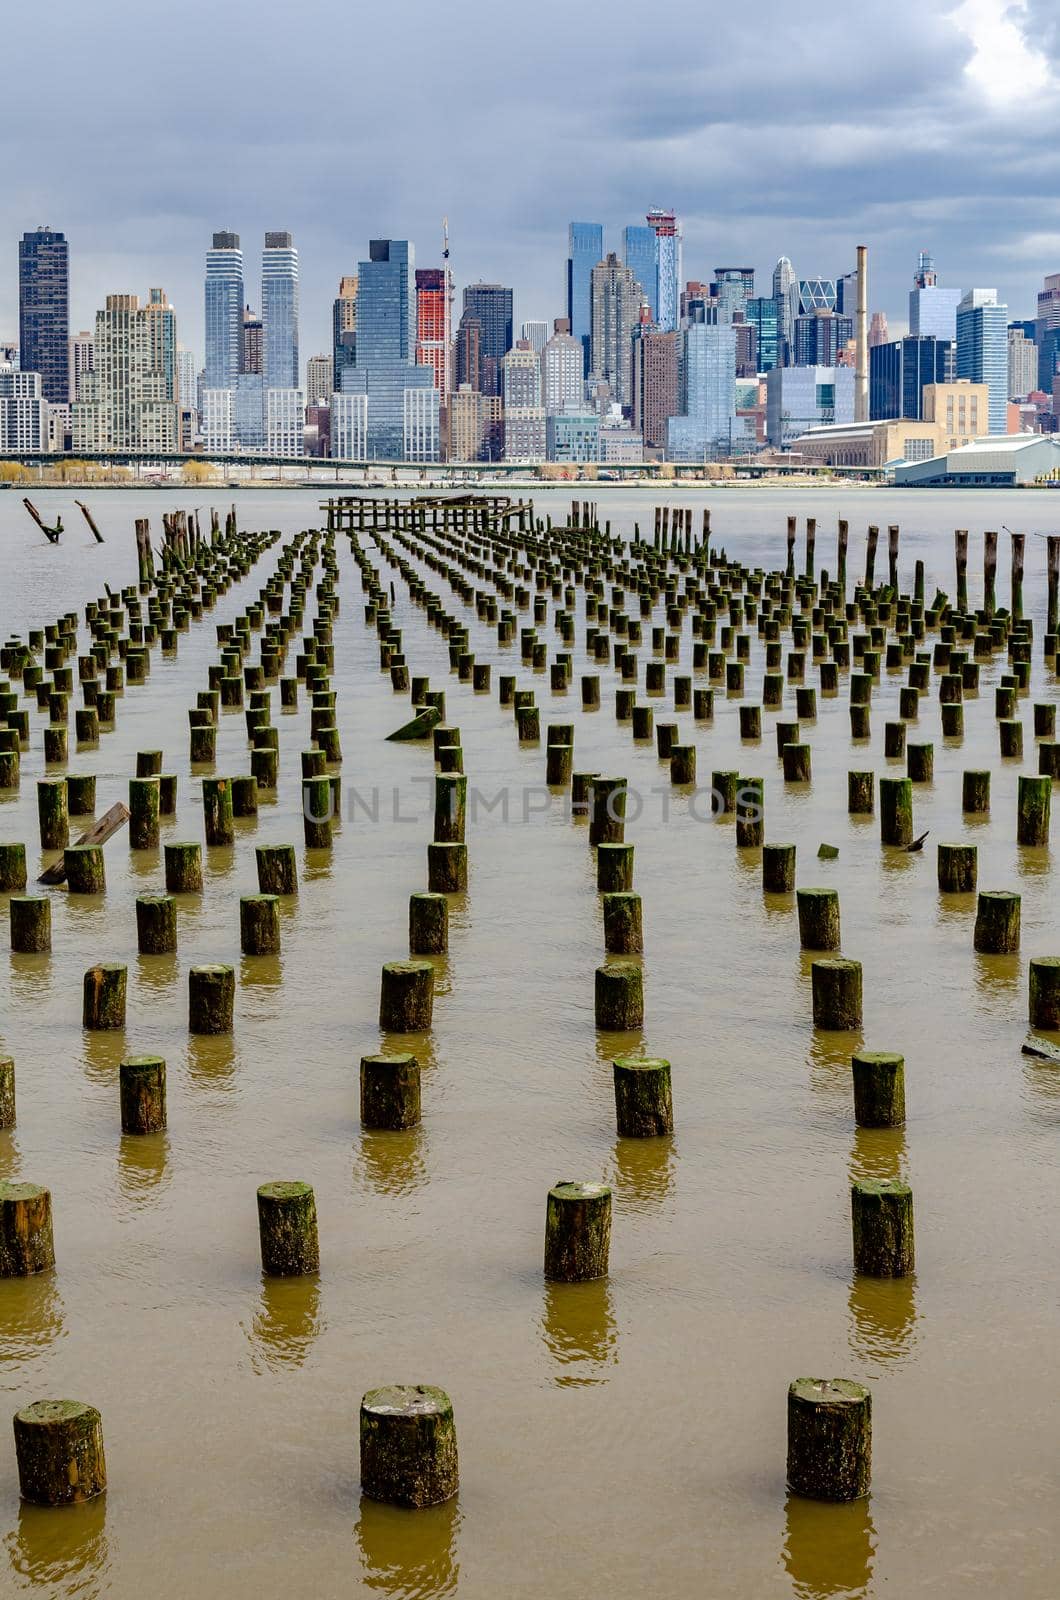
{"x":617,"y":1439}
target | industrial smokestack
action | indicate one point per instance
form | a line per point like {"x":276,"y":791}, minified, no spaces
{"x":861,"y":375}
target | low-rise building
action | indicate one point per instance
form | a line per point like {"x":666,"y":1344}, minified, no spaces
{"x":573,"y":436}
{"x":996,"y":462}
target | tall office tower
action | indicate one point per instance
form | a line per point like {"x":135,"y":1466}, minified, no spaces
{"x":524,"y":415}
{"x":616,"y":299}
{"x":786,"y":294}
{"x":1047,"y":339}
{"x":224,"y":311}
{"x":562,"y":376}
{"x":733,"y":288}
{"x":44,"y":311}
{"x":900,"y":371}
{"x":536,"y":335}
{"x":764,"y":315}
{"x":432,"y":326}
{"x":253,"y":357}
{"x":284,"y":422}
{"x":654,"y":384}
{"x":279,"y":312}
{"x":1022,"y":363}
{"x":667,"y":232}
{"x":344,"y":327}
{"x":640,"y":252}
{"x":585,"y":247}
{"x":82,"y":347}
{"x":467,"y":355}
{"x":491,"y":303}
{"x":707,"y":375}
{"x":187,"y":396}
{"x":401,"y":422}
{"x":820,"y":337}
{"x":319,"y":380}
{"x":23,"y":412}
{"x":130,"y":397}
{"x":746,"y":346}
{"x":817,"y":294}
{"x":878,"y":333}
{"x":932,"y":311}
{"x":982,"y":349}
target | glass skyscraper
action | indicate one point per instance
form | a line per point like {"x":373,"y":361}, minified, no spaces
{"x":932,"y":311}
{"x":44,"y":311}
{"x":982,"y":349}
{"x":224,"y":312}
{"x":734,"y":287}
{"x":585,"y":248}
{"x":898,"y":372}
{"x":708,"y":394}
{"x":491,"y":304}
{"x":763,"y":312}
{"x":786,"y":294}
{"x":667,"y":232}
{"x":279,"y":312}
{"x":640,"y":252}
{"x":402,"y":420}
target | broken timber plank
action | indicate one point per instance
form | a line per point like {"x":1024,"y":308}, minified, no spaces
{"x":99,"y":833}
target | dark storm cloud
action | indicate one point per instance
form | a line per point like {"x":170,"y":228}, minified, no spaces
{"x":141,"y":134}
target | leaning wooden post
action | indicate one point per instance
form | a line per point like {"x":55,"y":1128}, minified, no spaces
{"x":577,"y":1232}
{"x":643,"y":1100}
{"x":793,"y":529}
{"x":142,"y":1088}
{"x":961,"y":543}
{"x":870,"y":555}
{"x":408,"y":1446}
{"x":287,"y":1228}
{"x":26,"y":1243}
{"x":1016,"y":601}
{"x":990,"y":573}
{"x":892,"y":555}
{"x":879,"y":1088}
{"x":882,"y":1224}
{"x":829,"y":1439}
{"x":811,"y":544}
{"x":59,"y":1449}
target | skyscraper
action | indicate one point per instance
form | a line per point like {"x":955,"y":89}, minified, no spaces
{"x":81,"y":359}
{"x":401,"y":398}
{"x":900,"y":371}
{"x":707,"y":373}
{"x":562,"y":375}
{"x":1022,"y":363}
{"x":432,"y":326}
{"x":344,"y":327}
{"x":1046,"y":324}
{"x":640,"y":252}
{"x":524,"y":415}
{"x":878,"y":331}
{"x":129,"y":399}
{"x":982,"y":349}
{"x":786,"y":294}
{"x":536,"y":335}
{"x":817,"y":294}
{"x":733,"y":287}
{"x":654,"y":384}
{"x":467,"y":355}
{"x":616,"y":298}
{"x":491,"y":303}
{"x":23,"y":412}
{"x":44,"y":311}
{"x":253,"y":358}
{"x":224,"y":311}
{"x":763,"y":312}
{"x":667,"y":232}
{"x":319,"y":380}
{"x":820,"y":337}
{"x":584,"y":249}
{"x":932,"y":311}
{"x":279,"y":312}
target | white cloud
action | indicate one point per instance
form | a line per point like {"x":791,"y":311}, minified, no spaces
{"x":1005,"y":67}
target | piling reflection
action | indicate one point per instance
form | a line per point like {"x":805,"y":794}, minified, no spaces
{"x":260,"y":972}
{"x":829,"y":1062}
{"x":643,"y":1171}
{"x":1032,"y":861}
{"x":61,"y":1552}
{"x":580,"y":1333}
{"x":878,"y":1153}
{"x":996,"y":978}
{"x":882,"y":1318}
{"x":142,"y":1165}
{"x":829,"y":1550}
{"x":31,"y":1317}
{"x":31,"y":977}
{"x":392,"y":1162}
{"x":212,"y":1059}
{"x":145,"y":866}
{"x":157,"y":974}
{"x":286,"y":1323}
{"x":410,"y":1555}
{"x":102,"y":1052}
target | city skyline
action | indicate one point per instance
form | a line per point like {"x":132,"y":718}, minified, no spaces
{"x":761,"y":162}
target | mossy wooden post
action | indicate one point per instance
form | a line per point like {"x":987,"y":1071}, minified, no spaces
{"x":793,"y":528}
{"x":53,"y":813}
{"x":85,"y":869}
{"x":796,"y":759}
{"x":277,"y":869}
{"x":841,"y":556}
{"x":619,"y":996}
{"x":872,"y":540}
{"x":450,"y":807}
{"x":990,"y":573}
{"x":142,"y":1088}
{"x":607,"y":811}
{"x":156,"y":924}
{"x":12,"y":868}
{"x":829,"y":1439}
{"x":643,"y":1099}
{"x":614,"y":868}
{"x":447,"y":868}
{"x":997,"y":923}
{"x":428,"y":924}
{"x":218,"y":816}
{"x":750,"y":813}
{"x":406,"y":997}
{"x":623,"y":924}
{"x":81,"y":793}
{"x":104,"y":991}
{"x":879,"y":1088}
{"x":896,"y":811}
{"x":1044,"y":992}
{"x":882,"y":1220}
{"x":975,"y":793}
{"x":390,"y":1092}
{"x":818,"y":918}
{"x":408,"y":1446}
{"x":1016,"y":600}
{"x":1032,"y":810}
{"x":778,"y":868}
{"x":26,"y":1243}
{"x":957,"y":868}
{"x":836,"y":985}
{"x":861,"y":793}
{"x":7,"y":1092}
{"x":59,"y":1450}
{"x":960,"y":538}
{"x":682,"y":764}
{"x":144,"y":808}
{"x":259,"y":924}
{"x":31,"y":924}
{"x":577,"y":1232}
{"x":183,"y":867}
{"x":318,"y":805}
{"x":287,"y":1228}
{"x":211,"y":999}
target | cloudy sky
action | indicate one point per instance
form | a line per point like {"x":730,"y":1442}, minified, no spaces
{"x":900,"y":125}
